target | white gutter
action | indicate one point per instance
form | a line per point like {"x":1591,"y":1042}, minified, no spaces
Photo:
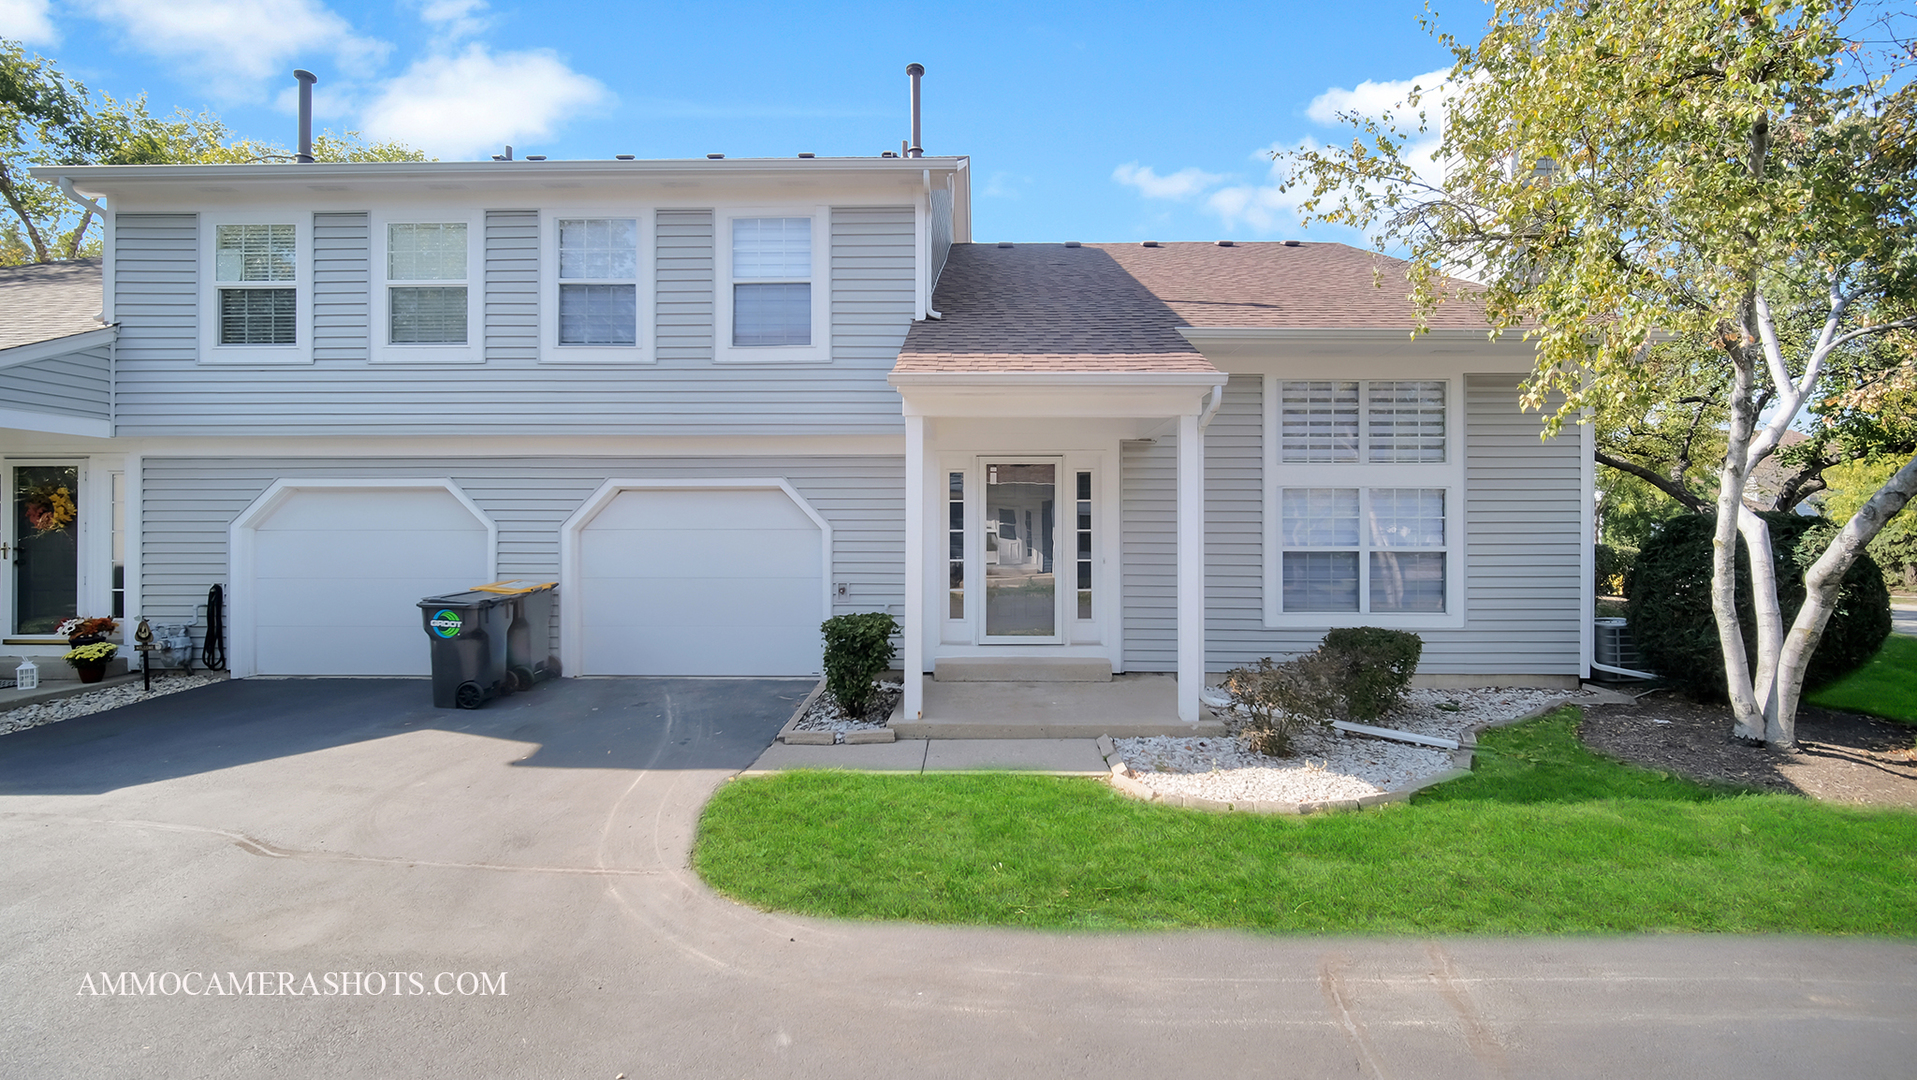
{"x":66,"y":188}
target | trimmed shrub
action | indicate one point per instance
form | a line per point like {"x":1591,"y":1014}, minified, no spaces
{"x":1376,"y":667}
{"x":858,"y":649}
{"x":1279,"y":699}
{"x":1613,"y":567}
{"x":1668,"y":602}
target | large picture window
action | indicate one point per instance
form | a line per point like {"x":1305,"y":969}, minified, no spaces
{"x":1361,"y":503}
{"x":256,"y":267}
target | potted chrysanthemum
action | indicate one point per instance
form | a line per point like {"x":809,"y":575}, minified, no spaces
{"x":91,"y":651}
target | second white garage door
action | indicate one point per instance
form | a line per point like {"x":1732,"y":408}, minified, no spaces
{"x":693,"y":581}
{"x":338,"y":574}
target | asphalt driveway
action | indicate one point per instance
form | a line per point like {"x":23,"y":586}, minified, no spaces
{"x":339,"y":828}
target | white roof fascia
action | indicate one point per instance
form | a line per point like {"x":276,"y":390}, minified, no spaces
{"x":107,"y":180}
{"x":60,"y":346}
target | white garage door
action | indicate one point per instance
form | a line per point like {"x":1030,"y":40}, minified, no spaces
{"x":701,"y":582}
{"x":338,"y":575}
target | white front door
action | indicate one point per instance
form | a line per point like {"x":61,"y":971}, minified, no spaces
{"x":1022,"y":602}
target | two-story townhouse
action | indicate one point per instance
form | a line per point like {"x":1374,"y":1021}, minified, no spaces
{"x":721,"y":400}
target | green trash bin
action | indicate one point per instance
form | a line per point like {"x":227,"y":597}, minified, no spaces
{"x":529,"y":653}
{"x":468,"y":632}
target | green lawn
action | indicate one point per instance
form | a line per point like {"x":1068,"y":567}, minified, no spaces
{"x":1887,"y":686}
{"x":1545,"y":838}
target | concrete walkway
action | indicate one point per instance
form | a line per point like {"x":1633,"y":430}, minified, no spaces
{"x":340,"y":827}
{"x":1903,"y":617}
{"x":1064,"y":757}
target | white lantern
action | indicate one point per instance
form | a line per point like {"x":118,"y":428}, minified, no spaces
{"x":27,"y":675}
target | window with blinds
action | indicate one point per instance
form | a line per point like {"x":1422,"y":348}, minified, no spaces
{"x":1403,"y":421}
{"x":1373,"y":550}
{"x":598,"y":281}
{"x":431,"y":260}
{"x":772,"y":281}
{"x":255,"y":267}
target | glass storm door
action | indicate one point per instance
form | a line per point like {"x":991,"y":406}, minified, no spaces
{"x":46,"y":550}
{"x":1021,"y":590}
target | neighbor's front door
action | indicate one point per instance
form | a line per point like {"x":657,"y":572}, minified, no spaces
{"x":42,"y":546}
{"x":1020,"y":528}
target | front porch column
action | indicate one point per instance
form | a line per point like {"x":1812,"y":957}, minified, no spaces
{"x":915,"y":585}
{"x":1191,"y":567}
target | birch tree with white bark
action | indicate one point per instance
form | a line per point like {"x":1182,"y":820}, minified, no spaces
{"x":1620,"y":172}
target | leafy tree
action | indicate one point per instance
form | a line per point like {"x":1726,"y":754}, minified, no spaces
{"x":48,"y":119}
{"x":1623,"y":171}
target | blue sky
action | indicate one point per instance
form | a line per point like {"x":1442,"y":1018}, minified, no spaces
{"x":1083,"y":121}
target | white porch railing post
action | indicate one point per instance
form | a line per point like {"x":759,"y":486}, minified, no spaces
{"x":915,"y":585}
{"x":1191,"y":567}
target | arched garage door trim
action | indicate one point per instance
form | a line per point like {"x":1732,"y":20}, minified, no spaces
{"x":571,"y":628}
{"x":240,"y":541}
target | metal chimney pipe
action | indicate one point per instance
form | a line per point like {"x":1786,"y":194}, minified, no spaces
{"x":306,"y":79}
{"x":915,"y":71}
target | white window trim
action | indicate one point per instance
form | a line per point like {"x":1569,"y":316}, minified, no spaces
{"x":383,"y":352}
{"x":644,"y":350}
{"x":820,"y":351}
{"x":214,"y":353}
{"x":1448,"y":476}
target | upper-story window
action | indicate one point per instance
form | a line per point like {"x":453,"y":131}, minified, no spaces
{"x":255,"y":287}
{"x":426,"y":314}
{"x":424,"y":280}
{"x":598,"y":281}
{"x":772,"y":281}
{"x":773,"y":306}
{"x":1361,"y":503}
{"x":256,"y":267}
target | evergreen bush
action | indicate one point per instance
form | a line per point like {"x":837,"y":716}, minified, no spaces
{"x":1668,"y":602}
{"x":1377,"y":666}
{"x":858,"y":649}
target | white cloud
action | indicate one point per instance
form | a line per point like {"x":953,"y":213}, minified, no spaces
{"x":475,"y":101}
{"x":1375,"y":99}
{"x":1004,"y":185}
{"x":237,"y":44}
{"x":27,"y":21}
{"x":1182,"y":184}
{"x":455,"y":18}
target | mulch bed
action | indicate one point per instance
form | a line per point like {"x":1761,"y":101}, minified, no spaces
{"x":1841,"y":757}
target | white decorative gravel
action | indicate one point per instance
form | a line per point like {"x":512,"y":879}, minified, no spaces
{"x":1326,"y":764}
{"x":94,"y":701}
{"x":826,"y":714}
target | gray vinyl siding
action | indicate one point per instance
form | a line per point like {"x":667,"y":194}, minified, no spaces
{"x":164,"y":391}
{"x":939,"y":235}
{"x":682,"y":274}
{"x":1521,"y":524}
{"x":873,"y":290}
{"x":72,"y":384}
{"x":189,"y":503}
{"x":1148,"y":552}
{"x":511,"y":302}
{"x":342,"y":287}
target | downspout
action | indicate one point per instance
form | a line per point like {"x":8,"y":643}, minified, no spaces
{"x":1211,"y":409}
{"x":930,"y":283}
{"x":66,"y":188}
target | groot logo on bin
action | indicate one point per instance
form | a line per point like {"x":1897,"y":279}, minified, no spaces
{"x":445,"y":623}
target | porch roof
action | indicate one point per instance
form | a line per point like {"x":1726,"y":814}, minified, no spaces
{"x":1117,"y":308}
{"x":48,"y":301}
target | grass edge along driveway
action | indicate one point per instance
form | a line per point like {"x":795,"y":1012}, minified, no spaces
{"x":1545,"y":837}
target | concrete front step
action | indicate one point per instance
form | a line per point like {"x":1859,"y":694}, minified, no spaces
{"x":1071,"y":669}
{"x":1126,"y":707}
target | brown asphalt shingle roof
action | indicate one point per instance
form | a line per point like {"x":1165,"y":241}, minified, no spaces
{"x":44,"y":301}
{"x":1116,"y":307}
